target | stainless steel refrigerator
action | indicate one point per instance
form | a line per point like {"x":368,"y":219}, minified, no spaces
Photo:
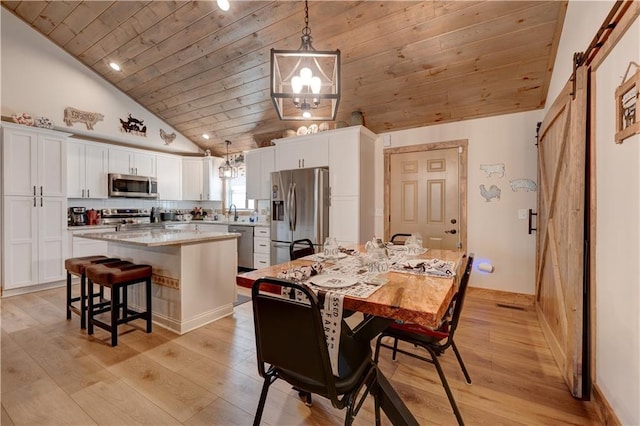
{"x":299,"y":209}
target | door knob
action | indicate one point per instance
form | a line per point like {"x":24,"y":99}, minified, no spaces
{"x":451,"y":231}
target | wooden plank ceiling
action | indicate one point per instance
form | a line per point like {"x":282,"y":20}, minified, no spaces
{"x":404,"y":64}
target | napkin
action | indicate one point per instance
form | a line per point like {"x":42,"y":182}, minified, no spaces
{"x":441,"y":268}
{"x":301,"y":273}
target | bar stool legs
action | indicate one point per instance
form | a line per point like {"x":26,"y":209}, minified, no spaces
{"x":118,"y":278}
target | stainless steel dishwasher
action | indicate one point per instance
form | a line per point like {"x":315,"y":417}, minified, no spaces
{"x":245,"y":245}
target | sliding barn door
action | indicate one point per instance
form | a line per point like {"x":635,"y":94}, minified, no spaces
{"x":560,"y":236}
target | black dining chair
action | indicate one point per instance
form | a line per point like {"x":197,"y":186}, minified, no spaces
{"x":399,"y":238}
{"x":291,"y":345}
{"x":434,"y":341}
{"x":301,"y":248}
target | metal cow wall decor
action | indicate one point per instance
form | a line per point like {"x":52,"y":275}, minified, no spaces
{"x":133,"y":125}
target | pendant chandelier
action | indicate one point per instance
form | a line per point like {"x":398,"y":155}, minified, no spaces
{"x":305,"y":83}
{"x":227,"y":171}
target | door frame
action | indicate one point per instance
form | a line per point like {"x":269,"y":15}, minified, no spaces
{"x":462,"y":145}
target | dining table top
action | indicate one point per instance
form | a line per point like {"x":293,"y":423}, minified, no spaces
{"x":417,"y":298}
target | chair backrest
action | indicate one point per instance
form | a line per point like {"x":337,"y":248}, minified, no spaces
{"x":459,"y":298}
{"x":399,"y":238}
{"x":290,"y":337}
{"x":306,"y":248}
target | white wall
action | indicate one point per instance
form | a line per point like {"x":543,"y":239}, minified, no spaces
{"x":617,"y":239}
{"x":41,"y":79}
{"x":617,"y":242}
{"x":495,"y":234}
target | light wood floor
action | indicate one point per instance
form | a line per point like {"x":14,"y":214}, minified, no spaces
{"x":53,"y":374}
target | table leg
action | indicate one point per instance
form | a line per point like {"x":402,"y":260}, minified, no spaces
{"x":392,"y":405}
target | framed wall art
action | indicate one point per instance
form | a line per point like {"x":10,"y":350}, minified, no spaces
{"x":627,"y":116}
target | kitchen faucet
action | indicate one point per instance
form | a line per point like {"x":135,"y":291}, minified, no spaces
{"x":235,"y":212}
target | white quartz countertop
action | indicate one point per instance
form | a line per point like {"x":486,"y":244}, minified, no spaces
{"x":227,"y":222}
{"x":160,"y":237}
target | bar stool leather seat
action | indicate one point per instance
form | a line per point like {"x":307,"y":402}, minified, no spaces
{"x":76,"y":266}
{"x":118,"y":276}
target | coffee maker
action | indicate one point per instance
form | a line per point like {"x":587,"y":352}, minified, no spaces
{"x":76,"y":216}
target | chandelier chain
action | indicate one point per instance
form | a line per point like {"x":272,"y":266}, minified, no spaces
{"x":306,"y":30}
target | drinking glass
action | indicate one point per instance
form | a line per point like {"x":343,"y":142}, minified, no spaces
{"x":331,"y":249}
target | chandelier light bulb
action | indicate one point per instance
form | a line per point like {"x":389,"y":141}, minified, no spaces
{"x":296,"y":84}
{"x":316,"y":83}
{"x":305,"y":75}
{"x":306,"y":114}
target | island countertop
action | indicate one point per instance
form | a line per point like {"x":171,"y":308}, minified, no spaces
{"x":160,"y":237}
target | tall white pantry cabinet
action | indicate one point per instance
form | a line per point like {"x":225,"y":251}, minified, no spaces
{"x":34,"y":206}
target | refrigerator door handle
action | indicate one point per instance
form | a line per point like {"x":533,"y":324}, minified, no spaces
{"x":294,"y":201}
{"x":289,"y":208}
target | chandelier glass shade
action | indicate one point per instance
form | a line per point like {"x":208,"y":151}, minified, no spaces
{"x":305,"y":83}
{"x":227,"y":171}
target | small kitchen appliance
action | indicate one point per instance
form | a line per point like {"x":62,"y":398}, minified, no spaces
{"x":125,"y":216}
{"x":76,"y":216}
{"x":93,"y":217}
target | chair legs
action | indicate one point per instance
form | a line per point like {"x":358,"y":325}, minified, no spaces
{"x":433,"y":353}
{"x":263,"y":398}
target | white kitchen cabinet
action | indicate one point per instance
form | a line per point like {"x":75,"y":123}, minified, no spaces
{"x":86,"y":247}
{"x":260,"y":163}
{"x":87,"y":169}
{"x":169,"y":177}
{"x":34,"y":161}
{"x":352,"y":182}
{"x":211,"y":184}
{"x":261,"y":247}
{"x":192,"y":181}
{"x":131,"y":162}
{"x":34,"y":240}
{"x":200,"y":180}
{"x":302,"y":152}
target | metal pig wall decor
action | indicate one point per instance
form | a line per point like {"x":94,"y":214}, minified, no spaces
{"x":133,"y":125}
{"x":72,"y":115}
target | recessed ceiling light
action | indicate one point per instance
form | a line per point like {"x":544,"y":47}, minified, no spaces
{"x":114,"y":66}
{"x":205,"y":136}
{"x":223,"y":4}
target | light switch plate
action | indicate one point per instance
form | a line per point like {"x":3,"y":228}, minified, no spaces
{"x":522,"y":213}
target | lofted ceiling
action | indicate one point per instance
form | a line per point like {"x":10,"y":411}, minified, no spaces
{"x":405,"y":64}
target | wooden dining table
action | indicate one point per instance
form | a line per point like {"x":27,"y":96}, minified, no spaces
{"x":420,"y":299}
{"x":417,"y":298}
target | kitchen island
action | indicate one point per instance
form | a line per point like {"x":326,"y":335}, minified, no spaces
{"x":193,"y":272}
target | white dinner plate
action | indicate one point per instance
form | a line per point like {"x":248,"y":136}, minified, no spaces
{"x":396,"y":247}
{"x":340,"y":255}
{"x":333,"y":281}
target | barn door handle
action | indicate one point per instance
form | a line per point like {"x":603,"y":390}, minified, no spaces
{"x":531,"y":214}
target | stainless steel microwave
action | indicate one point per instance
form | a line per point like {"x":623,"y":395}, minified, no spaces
{"x":132,"y":186}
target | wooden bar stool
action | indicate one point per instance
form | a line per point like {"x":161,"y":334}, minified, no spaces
{"x":118,"y":277}
{"x":76,"y":266}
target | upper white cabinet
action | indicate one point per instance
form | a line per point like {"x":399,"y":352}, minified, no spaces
{"x":302,"y":152}
{"x":169,"y":177}
{"x":34,"y":161}
{"x":131,"y":162}
{"x":192,"y":181}
{"x":200,"y":179}
{"x":211,"y":184}
{"x":260,"y":163}
{"x":87,"y":169}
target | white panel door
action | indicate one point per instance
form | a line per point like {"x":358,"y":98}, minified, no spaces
{"x":120,"y":161}
{"x":144,"y":164}
{"x":20,"y":242}
{"x":344,"y":220}
{"x":344,"y":164}
{"x":96,"y":171}
{"x":75,"y":170}
{"x":253,"y":160}
{"x":52,"y":166}
{"x":192,"y":179}
{"x":169,"y":177}
{"x":20,"y":162}
{"x":267,"y":165}
{"x":52,"y":238}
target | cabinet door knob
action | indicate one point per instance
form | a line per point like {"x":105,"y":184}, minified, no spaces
{"x":88,"y":193}
{"x":41,"y":190}
{"x":83,"y":193}
{"x":34,"y":190}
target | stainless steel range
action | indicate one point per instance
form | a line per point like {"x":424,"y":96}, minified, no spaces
{"x":122,"y":216}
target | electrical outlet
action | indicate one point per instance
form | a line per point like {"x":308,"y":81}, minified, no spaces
{"x":522,"y":213}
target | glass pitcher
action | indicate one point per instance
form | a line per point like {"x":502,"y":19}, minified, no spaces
{"x":377,"y":256}
{"x":331,"y":249}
